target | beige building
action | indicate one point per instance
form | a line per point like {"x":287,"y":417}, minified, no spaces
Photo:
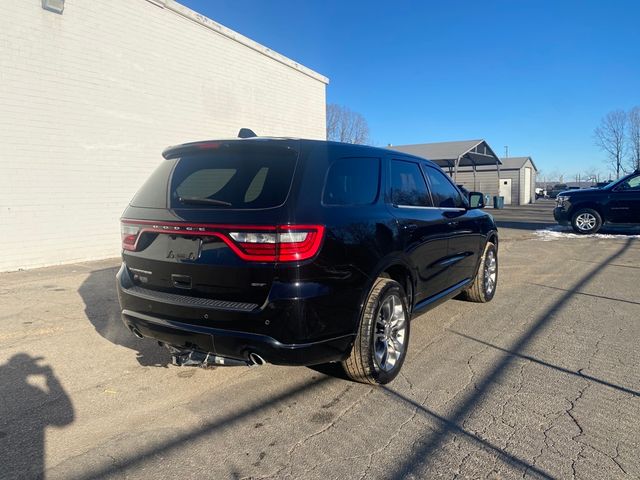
{"x":89,"y":98}
{"x":473,"y":165}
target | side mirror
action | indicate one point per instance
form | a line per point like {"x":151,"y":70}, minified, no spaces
{"x":476,"y":200}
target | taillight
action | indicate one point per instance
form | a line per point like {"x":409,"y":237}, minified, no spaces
{"x":129,"y":235}
{"x":286,"y":243}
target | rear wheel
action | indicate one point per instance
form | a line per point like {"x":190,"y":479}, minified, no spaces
{"x":586,"y":221}
{"x":484,"y":285}
{"x":381,"y":344}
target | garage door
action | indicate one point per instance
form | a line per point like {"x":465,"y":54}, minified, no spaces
{"x":527,"y":185}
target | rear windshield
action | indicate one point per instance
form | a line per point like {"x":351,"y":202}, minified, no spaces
{"x":238,"y":177}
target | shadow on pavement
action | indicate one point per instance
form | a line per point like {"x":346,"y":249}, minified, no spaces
{"x":334,"y":370}
{"x":577,"y":373}
{"x":453,"y":428}
{"x":100,"y":298}
{"x":517,"y":225}
{"x":197,"y":435}
{"x":575,"y":292}
{"x":32,"y":399}
{"x":420,"y":456}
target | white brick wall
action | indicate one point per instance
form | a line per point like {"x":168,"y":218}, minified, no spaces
{"x":90,"y":98}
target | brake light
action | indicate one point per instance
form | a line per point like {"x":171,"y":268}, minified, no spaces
{"x":285,"y":243}
{"x":129,"y":235}
{"x":208,"y":145}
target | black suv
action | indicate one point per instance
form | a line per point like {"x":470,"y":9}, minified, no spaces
{"x":587,"y":210}
{"x":298,"y":252}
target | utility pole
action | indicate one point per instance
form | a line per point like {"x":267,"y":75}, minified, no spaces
{"x":506,"y":151}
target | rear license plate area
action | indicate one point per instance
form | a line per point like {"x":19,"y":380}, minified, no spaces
{"x":184,"y":248}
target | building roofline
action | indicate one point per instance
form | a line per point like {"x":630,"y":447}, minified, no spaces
{"x":525,"y":158}
{"x":206,"y":22}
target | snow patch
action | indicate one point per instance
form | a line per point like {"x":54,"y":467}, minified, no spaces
{"x":558,"y":232}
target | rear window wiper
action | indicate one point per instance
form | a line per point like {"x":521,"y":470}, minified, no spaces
{"x":203,"y":201}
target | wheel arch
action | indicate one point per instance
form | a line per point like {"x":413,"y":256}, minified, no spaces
{"x":587,"y":204}
{"x":492,"y":237}
{"x":402,"y":274}
{"x":396,"y":269}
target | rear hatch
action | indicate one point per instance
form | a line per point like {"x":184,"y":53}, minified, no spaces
{"x":210,"y":223}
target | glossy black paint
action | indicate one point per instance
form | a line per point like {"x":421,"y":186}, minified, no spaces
{"x":613,"y":202}
{"x":305,"y":313}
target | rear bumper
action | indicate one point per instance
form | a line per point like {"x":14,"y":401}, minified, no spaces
{"x":237,"y":345}
{"x":561,"y":216}
{"x":295,"y":331}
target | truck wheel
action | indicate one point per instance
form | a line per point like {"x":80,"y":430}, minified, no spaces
{"x":381,"y":344}
{"x":586,"y":221}
{"x":484,"y":285}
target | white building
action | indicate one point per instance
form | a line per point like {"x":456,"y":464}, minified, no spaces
{"x":89,"y":98}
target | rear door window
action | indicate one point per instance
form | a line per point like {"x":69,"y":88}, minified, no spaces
{"x":408,"y":187}
{"x":352,"y":181}
{"x":239,"y":177}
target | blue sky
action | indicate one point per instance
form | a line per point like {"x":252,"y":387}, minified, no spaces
{"x":534,"y":75}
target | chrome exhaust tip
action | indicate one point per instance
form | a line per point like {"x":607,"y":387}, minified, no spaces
{"x":136,"y":332}
{"x":256,"y":360}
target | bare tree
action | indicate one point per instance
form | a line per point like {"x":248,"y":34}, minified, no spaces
{"x":592,"y":175}
{"x":345,"y":125}
{"x":610,"y":136}
{"x":634,"y":137}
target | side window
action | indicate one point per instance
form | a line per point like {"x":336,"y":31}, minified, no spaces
{"x":632,"y":183}
{"x":352,"y":181}
{"x":444,"y":194}
{"x":408,"y":187}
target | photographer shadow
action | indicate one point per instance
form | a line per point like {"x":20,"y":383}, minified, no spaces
{"x":31,"y":399}
{"x":98,"y":292}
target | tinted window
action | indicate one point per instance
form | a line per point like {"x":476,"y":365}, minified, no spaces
{"x":444,"y":194}
{"x":153,"y":193}
{"x":632,"y":183}
{"x":407,"y":185}
{"x":352,"y":181}
{"x":242,"y":176}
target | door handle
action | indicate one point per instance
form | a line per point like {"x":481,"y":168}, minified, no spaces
{"x":453,"y":223}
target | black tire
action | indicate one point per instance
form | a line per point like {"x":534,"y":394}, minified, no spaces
{"x":366,"y":363}
{"x":586,"y":221}
{"x":484,"y":285}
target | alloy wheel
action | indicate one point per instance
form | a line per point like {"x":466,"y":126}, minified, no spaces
{"x":390,"y":333}
{"x":585,"y":222}
{"x":490,"y":272}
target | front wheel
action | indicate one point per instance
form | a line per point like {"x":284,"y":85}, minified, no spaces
{"x":586,"y":221}
{"x":484,"y":284}
{"x":381,"y":344}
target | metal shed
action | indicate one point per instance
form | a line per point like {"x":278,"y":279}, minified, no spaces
{"x":518,"y":180}
{"x":471,"y":163}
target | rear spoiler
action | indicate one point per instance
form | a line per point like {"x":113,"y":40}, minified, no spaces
{"x":172,"y":151}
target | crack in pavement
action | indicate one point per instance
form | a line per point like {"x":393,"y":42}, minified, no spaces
{"x":299,"y":443}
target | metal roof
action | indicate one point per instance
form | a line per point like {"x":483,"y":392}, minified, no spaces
{"x":517,"y":162}
{"x":469,"y":152}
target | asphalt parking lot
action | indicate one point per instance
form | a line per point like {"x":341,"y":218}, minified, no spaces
{"x":543,"y":382}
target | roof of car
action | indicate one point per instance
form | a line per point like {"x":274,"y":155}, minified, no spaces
{"x":175,"y":150}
